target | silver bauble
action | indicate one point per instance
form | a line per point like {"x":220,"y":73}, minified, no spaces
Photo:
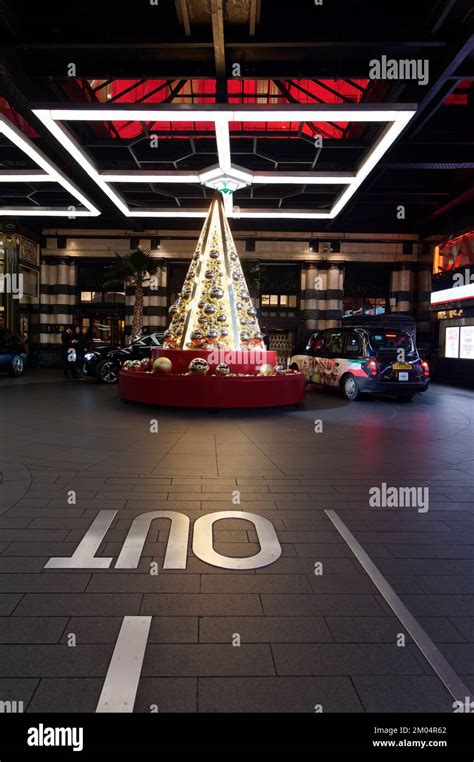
{"x":222,"y":369}
{"x":216,"y":292}
{"x":198,"y":366}
{"x":197,"y":337}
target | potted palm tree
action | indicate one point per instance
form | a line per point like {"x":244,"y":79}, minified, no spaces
{"x":134,"y":269}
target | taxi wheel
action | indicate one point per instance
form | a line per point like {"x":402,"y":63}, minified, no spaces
{"x":350,"y":387}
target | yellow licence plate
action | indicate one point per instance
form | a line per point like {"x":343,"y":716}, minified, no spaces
{"x":401,"y":366}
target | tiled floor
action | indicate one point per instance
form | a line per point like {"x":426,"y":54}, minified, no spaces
{"x":306,"y":639}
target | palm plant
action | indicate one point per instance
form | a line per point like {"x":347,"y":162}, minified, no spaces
{"x":254,"y":273}
{"x":134,"y":269}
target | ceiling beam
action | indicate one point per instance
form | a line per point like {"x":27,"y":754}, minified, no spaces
{"x":443,"y":85}
{"x":217,"y":13}
{"x":183,"y":14}
{"x":253,"y":17}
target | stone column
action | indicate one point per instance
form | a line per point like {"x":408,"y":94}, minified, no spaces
{"x":334,"y":294}
{"x":405,"y":294}
{"x":47,"y":299}
{"x":394,"y":288}
{"x":422,"y":304}
{"x":156,"y":311}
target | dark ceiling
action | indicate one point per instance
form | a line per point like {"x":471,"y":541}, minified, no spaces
{"x":288,"y":52}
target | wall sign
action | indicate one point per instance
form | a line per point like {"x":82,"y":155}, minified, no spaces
{"x":467,"y":342}
{"x":177,"y":547}
{"x":451,"y":347}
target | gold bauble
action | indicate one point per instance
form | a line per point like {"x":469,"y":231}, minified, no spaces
{"x":266,"y":370}
{"x":162,"y":365}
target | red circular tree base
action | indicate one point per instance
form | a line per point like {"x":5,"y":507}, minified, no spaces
{"x":211,"y":391}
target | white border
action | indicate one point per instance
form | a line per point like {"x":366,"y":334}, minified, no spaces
{"x":396,"y":116}
{"x":50,"y":173}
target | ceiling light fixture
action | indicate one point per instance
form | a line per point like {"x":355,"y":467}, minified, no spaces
{"x":397,"y":115}
{"x":50,"y":174}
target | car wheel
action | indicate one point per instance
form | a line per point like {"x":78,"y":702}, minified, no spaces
{"x":350,"y":388}
{"x":17,"y":366}
{"x":107,"y":372}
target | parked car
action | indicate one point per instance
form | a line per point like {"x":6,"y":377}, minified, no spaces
{"x":12,"y":353}
{"x":365,"y":359}
{"x":105,"y":363}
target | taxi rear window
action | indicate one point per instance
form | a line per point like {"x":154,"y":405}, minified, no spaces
{"x":391,"y":341}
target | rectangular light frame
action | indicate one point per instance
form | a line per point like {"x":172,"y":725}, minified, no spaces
{"x":396,"y":116}
{"x":49,"y":173}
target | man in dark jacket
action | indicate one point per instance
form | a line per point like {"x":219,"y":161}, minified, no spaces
{"x":68,"y":352}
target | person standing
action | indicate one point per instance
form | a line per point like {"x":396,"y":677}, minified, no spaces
{"x":81,"y":347}
{"x":69,"y":352}
{"x":266,"y":339}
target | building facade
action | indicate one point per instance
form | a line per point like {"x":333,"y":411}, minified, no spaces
{"x":299,"y":285}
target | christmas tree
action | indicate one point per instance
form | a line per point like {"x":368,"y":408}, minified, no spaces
{"x":214,"y":309}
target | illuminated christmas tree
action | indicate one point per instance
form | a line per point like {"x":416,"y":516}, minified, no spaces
{"x":214,"y":309}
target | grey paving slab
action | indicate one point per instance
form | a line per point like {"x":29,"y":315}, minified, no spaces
{"x":465,"y":625}
{"x":17,"y":690}
{"x":307,"y":566}
{"x":41,"y":549}
{"x":255,"y":583}
{"x":203,"y":659}
{"x":105,"y":629}
{"x":78,"y":604}
{"x":275,"y":604}
{"x":8,"y":603}
{"x":66,"y":695}
{"x":387,"y":629}
{"x":277,"y":694}
{"x":460,"y":656}
{"x":177,"y":694}
{"x":440,"y":605}
{"x":42,"y":583}
{"x":18,"y":564}
{"x":203,"y":604}
{"x":55,"y":660}
{"x":264,"y":629}
{"x":144,"y":583}
{"x":344,"y":659}
{"x":403,"y":694}
{"x":31,"y":629}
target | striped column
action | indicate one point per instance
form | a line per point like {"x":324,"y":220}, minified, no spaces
{"x":57,"y":298}
{"x":394,"y":289}
{"x":334,"y":294}
{"x":155,"y":300}
{"x":402,"y":288}
{"x":46,"y":300}
{"x":405,"y":294}
{"x":422,"y":309}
